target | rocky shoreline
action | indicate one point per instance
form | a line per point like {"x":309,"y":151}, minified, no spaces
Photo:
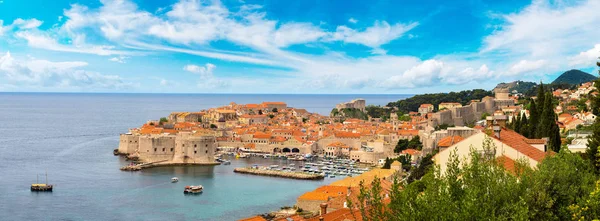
{"x":275,"y":173}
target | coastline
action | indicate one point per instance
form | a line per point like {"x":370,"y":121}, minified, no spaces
{"x":282,"y":174}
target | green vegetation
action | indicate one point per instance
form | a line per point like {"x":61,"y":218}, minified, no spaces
{"x":274,"y":110}
{"x":403,"y":144}
{"x":463,"y":97}
{"x":213,"y":126}
{"x":563,"y":187}
{"x":542,"y":120}
{"x":349,"y":113}
{"x":574,"y":77}
{"x":378,"y":112}
{"x":162,"y":120}
{"x":404,"y":160}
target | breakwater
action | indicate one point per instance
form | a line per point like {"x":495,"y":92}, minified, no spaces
{"x":277,"y":173}
{"x":137,"y":167}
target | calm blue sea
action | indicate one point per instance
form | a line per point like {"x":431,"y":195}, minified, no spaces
{"x":71,"y":136}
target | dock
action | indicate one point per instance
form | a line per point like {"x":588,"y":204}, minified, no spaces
{"x":137,"y":167}
{"x":276,"y":173}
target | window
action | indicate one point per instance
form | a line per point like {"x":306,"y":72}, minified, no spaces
{"x":154,"y":149}
{"x":163,"y":149}
{"x":183,"y":145}
{"x":206,"y":145}
{"x":195,"y":152}
{"x":171,"y":149}
{"x":194,"y":145}
{"x":206,"y":151}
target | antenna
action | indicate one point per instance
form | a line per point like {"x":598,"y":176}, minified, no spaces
{"x":46,"y":177}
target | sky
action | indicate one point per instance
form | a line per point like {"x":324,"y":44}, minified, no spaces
{"x":291,"y":47}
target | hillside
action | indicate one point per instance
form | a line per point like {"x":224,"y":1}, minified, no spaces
{"x":519,"y":86}
{"x":574,"y":77}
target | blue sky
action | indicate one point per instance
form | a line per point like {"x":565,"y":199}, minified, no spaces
{"x":308,"y":46}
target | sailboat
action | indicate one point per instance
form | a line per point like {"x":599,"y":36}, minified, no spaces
{"x":41,"y":187}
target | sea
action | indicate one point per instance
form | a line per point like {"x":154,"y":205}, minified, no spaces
{"x":69,"y":138}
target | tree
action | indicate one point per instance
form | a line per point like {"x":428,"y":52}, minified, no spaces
{"x":541,"y":98}
{"x":596,"y":99}
{"x":274,"y":110}
{"x":524,"y":130}
{"x":260,"y":112}
{"x":415,"y":143}
{"x":213,"y":126}
{"x":592,"y":145}
{"x":547,"y":118}
{"x":162,"y":120}
{"x":533,"y":119}
{"x":401,"y":145}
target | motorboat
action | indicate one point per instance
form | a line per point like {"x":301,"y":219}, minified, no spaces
{"x":193,"y":189}
{"x":174,"y":180}
{"x":227,"y":162}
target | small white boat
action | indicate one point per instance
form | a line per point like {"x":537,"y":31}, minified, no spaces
{"x":193,"y":189}
{"x":227,"y":162}
{"x":174,"y":180}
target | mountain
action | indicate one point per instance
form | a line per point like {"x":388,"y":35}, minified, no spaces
{"x":519,"y":86}
{"x":574,"y":77}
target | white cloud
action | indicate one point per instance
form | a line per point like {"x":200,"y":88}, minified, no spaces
{"x":207,"y":79}
{"x":525,"y":66}
{"x":46,"y":42}
{"x":426,"y":73}
{"x":20,"y":24}
{"x":43,"y":74}
{"x":352,"y":20}
{"x":546,"y":29}
{"x":586,"y":58}
{"x":119,"y":59}
{"x":375,"y":36}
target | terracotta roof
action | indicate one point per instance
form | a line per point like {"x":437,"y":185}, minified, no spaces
{"x":517,"y":141}
{"x":344,"y":134}
{"x":324,"y":193}
{"x":338,"y":144}
{"x":411,"y":152}
{"x":507,"y":163}
{"x":254,"y":218}
{"x":535,"y":141}
{"x":449,"y":141}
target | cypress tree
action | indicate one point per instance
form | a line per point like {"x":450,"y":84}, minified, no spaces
{"x":517,"y":123}
{"x":524,"y":130}
{"x":541,"y":99}
{"x":593,"y":143}
{"x":534,"y":119}
{"x":554,"y":140}
{"x":547,"y":119}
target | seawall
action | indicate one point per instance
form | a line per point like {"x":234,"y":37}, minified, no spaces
{"x":275,"y":173}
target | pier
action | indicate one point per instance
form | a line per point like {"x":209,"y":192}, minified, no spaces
{"x":137,"y":167}
{"x":276,"y":173}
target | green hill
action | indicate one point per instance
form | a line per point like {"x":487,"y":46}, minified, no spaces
{"x":574,"y":77}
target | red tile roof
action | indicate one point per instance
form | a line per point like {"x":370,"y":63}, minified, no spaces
{"x":517,"y":141}
{"x":449,"y":141}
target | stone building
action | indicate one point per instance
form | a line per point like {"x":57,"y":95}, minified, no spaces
{"x":183,"y":147}
{"x":356,"y":103}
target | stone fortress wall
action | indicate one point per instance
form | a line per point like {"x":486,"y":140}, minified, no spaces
{"x":461,"y":116}
{"x":180,"y":148}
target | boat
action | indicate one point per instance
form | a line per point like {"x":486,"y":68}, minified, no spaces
{"x":41,"y":187}
{"x":193,"y":189}
{"x":174,"y":180}
{"x":227,"y":162}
